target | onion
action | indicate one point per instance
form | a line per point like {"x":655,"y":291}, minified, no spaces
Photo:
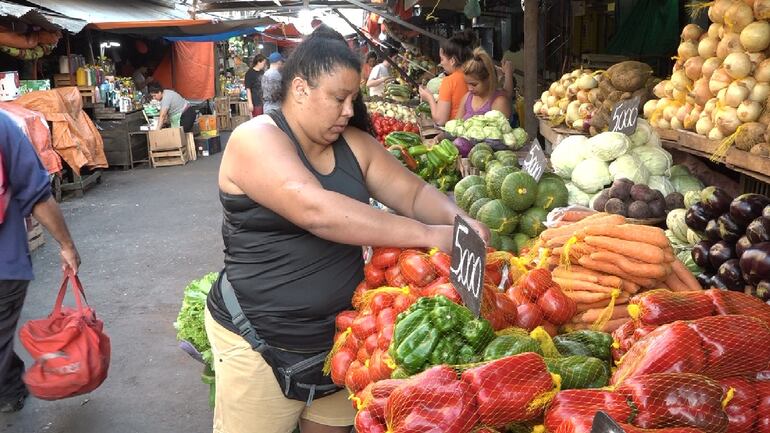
{"x":713,"y":31}
{"x":735,"y":94}
{"x":683,"y":111}
{"x":582,"y":96}
{"x":554,"y":111}
{"x":537,"y":107}
{"x":707,"y":47}
{"x":762,"y":72}
{"x":701,"y":91}
{"x":676,"y":123}
{"x":738,"y":16}
{"x":710,"y":106}
{"x":572,"y":111}
{"x":719,"y":80}
{"x":760,"y":92}
{"x":709,"y":66}
{"x":693,"y":67}
{"x":749,"y":82}
{"x":690,"y":119}
{"x":680,"y":95}
{"x":563,"y":103}
{"x":680,"y":81}
{"x":737,"y":65}
{"x":668,"y":89}
{"x":687,"y":49}
{"x":551,"y":101}
{"x":586,"y":82}
{"x":726,"y":119}
{"x":691,"y":32}
{"x":649,"y":107}
{"x":670,"y":110}
{"x":664,"y":124}
{"x":585,"y":110}
{"x":544,"y":96}
{"x":750,"y":3}
{"x":660,"y":89}
{"x":730,"y":43}
{"x":718,"y":9}
{"x":593,"y":96}
{"x":756,"y":36}
{"x":749,"y":111}
{"x":715,"y":134}
{"x":762,"y":9}
{"x":704,"y":125}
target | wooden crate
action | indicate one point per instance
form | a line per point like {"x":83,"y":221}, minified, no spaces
{"x":89,"y":95}
{"x":224,"y":123}
{"x":64,"y":80}
{"x":34,"y":234}
{"x":667,"y":134}
{"x":242,"y":108}
{"x":167,"y":158}
{"x":222,"y":105}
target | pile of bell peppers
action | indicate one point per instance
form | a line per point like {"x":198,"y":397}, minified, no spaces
{"x":384,"y":125}
{"x":436,"y":164}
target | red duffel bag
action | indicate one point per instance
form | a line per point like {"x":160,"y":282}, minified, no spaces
{"x":70,"y":349}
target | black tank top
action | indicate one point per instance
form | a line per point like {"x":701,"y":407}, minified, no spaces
{"x":290,"y":283}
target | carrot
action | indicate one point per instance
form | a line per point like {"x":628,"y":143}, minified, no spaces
{"x":638,"y":250}
{"x":685,"y":276}
{"x":608,"y":327}
{"x":558,"y":241}
{"x":599,"y":218}
{"x":590,"y":316}
{"x":570,"y":284}
{"x":631,"y":287}
{"x":589,"y":275}
{"x":612,"y":269}
{"x":646,"y":270}
{"x":630,"y":232}
{"x":574,"y":274}
{"x":622,"y":299}
{"x":583,"y":297}
{"x":675,"y":284}
{"x":575,"y":215}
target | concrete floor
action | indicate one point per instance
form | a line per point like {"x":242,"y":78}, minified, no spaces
{"x":142,"y":235}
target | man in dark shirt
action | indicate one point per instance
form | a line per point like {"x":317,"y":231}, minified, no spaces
{"x":253,"y":83}
{"x":30,"y":193}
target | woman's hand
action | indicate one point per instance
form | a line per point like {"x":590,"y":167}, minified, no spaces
{"x":425,"y":95}
{"x":507,"y":67}
{"x":442,"y":237}
{"x":481,"y":229}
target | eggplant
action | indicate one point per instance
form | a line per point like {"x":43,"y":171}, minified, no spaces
{"x":697,"y":217}
{"x":712,"y":231}
{"x":730,"y":274}
{"x":729,"y":229}
{"x":700,"y":254}
{"x":747,"y":207}
{"x":717,"y":283}
{"x":758,"y":230}
{"x":755,"y":263}
{"x":704,"y":280}
{"x":762,"y":291}
{"x":741,"y":246}
{"x":715,"y":200}
{"x":719,"y":253}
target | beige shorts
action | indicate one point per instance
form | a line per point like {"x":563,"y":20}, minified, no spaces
{"x":248,"y":397}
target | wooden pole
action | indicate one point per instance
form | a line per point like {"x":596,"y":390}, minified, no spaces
{"x":531,"y":16}
{"x":72,"y":82}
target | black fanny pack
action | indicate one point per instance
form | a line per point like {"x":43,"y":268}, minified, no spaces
{"x":299,"y":374}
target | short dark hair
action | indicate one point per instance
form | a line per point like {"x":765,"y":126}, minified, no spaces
{"x":460,"y":46}
{"x":371,"y":55}
{"x":258,"y":58}
{"x":154,"y":87}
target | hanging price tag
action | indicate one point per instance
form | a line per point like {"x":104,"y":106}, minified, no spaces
{"x":604,"y":424}
{"x":535,"y":162}
{"x":625,"y":114}
{"x":469,"y":256}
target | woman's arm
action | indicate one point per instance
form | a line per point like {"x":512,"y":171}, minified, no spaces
{"x":461,"y":109}
{"x":272,"y":174}
{"x":439,"y":110}
{"x":250,"y":101}
{"x":162,"y":118}
{"x":502,"y":104}
{"x":508,"y":78}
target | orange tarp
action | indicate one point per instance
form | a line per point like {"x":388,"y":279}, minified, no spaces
{"x":35,"y":127}
{"x":75,"y":138}
{"x":146,"y":24}
{"x":193,"y":70}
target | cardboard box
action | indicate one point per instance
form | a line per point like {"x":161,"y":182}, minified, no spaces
{"x":34,"y":85}
{"x":207,"y":122}
{"x":207,"y":146}
{"x":167,"y":138}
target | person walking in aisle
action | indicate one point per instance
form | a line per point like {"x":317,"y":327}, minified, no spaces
{"x":271,"y":83}
{"x":379,"y":77}
{"x":24,"y":190}
{"x":253,"y":83}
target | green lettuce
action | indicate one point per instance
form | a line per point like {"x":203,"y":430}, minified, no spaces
{"x":189,"y":323}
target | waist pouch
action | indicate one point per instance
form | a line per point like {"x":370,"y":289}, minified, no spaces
{"x":299,"y":374}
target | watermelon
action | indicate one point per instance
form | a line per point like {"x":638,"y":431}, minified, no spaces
{"x":480,"y":159}
{"x":495,"y":215}
{"x":495,"y":240}
{"x":521,"y":240}
{"x":473,"y":211}
{"x":466,"y":183}
{"x":507,"y":157}
{"x":532,"y":221}
{"x":508,"y":244}
{"x":480,"y":146}
{"x":492,"y":165}
{"x":518,"y":191}
{"x":551,"y":193}
{"x":495,"y":177}
{"x":470,"y":195}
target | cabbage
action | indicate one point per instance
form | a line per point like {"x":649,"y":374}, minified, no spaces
{"x":608,"y":146}
{"x":675,"y":222}
{"x":492,"y":132}
{"x":452,"y":126}
{"x":576,"y":196}
{"x":434,"y":84}
{"x":642,"y":134}
{"x":657,"y":160}
{"x":662,"y":184}
{"x":568,"y":154}
{"x":690,"y":198}
{"x":629,"y":167}
{"x":654,"y":140}
{"x":521,"y":137}
{"x":680,"y":170}
{"x":510,"y":140}
{"x":475,"y":132}
{"x":692,"y":237}
{"x":591,"y":175}
{"x":505,"y":128}
{"x":684,"y":184}
{"x":685,"y":256}
{"x":495,"y":117}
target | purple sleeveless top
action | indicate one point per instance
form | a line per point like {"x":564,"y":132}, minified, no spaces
{"x":470,"y":112}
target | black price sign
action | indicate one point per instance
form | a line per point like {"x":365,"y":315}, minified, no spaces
{"x":625,"y":114}
{"x":469,"y":256}
{"x":535,"y":162}
{"x":604,"y":424}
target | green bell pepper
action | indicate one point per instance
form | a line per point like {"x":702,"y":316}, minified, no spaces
{"x":467,"y":355}
{"x":461,"y":312}
{"x":399,"y":373}
{"x":414,"y":352}
{"x":444,"y":318}
{"x":508,"y":345}
{"x":418,"y":150}
{"x":478,"y":333}
{"x":585,"y":342}
{"x":403,"y":138}
{"x":579,"y":371}
{"x":445,"y":351}
{"x":405,"y":326}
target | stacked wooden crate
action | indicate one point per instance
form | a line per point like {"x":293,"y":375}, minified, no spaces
{"x":222,"y":107}
{"x":168,"y":146}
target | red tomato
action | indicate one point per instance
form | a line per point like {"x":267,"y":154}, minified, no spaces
{"x":364,"y":325}
{"x":515,"y":294}
{"x":529,"y":316}
{"x":441,"y":261}
{"x":371,"y":343}
{"x":380,"y":301}
{"x":448,"y":290}
{"x":362,"y":355}
{"x":557,"y":307}
{"x":345,"y":319}
{"x":386,"y":317}
{"x":417,"y":269}
{"x":494,"y":275}
{"x":385,"y":337}
{"x":340,"y":363}
{"x":402,"y":302}
{"x":385,"y":257}
{"x":535,"y":283}
{"x":374,"y":277}
{"x":394,"y":277}
{"x":357,"y":376}
{"x":378,"y":368}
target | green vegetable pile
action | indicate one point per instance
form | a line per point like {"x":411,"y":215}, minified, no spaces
{"x":509,"y":201}
{"x":435,"y":164}
{"x":492,"y":125}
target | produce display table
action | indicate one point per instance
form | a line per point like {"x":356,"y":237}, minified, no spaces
{"x":115,"y":128}
{"x":555,"y":135}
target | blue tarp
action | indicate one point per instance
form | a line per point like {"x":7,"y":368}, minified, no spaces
{"x":219,"y":36}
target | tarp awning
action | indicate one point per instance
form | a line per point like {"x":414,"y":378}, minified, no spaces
{"x":100,"y":11}
{"x":184,"y":28}
{"x":50,"y":21}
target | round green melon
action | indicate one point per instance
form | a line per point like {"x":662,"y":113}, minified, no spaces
{"x":508,"y":244}
{"x":473,"y":211}
{"x":495,"y":178}
{"x":551,"y":193}
{"x":518,"y":191}
{"x":495,"y":241}
{"x":466,"y":183}
{"x":480,"y":146}
{"x":521,"y":240}
{"x":497,"y":216}
{"x":532,"y":221}
{"x":480,"y":159}
{"x":507,"y":157}
{"x":472,"y":194}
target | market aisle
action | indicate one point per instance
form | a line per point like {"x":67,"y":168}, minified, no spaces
{"x":143,"y":235}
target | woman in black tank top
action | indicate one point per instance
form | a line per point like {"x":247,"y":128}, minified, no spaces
{"x":295,"y":190}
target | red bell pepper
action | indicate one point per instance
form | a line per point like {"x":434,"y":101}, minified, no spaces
{"x":627,"y":428}
{"x":628,"y":334}
{"x":658,"y":307}
{"x":512,"y":389}
{"x":379,"y":392}
{"x":366,"y":422}
{"x":668,"y":400}
{"x":762,"y":388}
{"x":433,"y":401}
{"x":729,"y":302}
{"x":573,"y":410}
{"x":498,"y":308}
{"x":742,"y":408}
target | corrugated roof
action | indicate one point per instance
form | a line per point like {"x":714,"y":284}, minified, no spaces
{"x":50,"y":21}
{"x":96,"y":11}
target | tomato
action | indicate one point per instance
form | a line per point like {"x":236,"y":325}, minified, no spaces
{"x":380,"y":301}
{"x":394,"y":277}
{"x":535,"y":283}
{"x":378,"y":368}
{"x":448,"y":290}
{"x":516,"y":294}
{"x":493,"y":274}
{"x":441,"y":261}
{"x":557,"y":307}
{"x":399,"y":125}
{"x":345,"y":319}
{"x":362,"y":355}
{"x":385,"y":337}
{"x":364,"y":325}
{"x":357,"y":376}
{"x":370,"y":344}
{"x":402,"y":302}
{"x":529,"y":316}
{"x":386,"y":257}
{"x":498,"y":308}
{"x":386,"y":317}
{"x":340,"y":363}
{"x":417,"y":269}
{"x":374,"y":277}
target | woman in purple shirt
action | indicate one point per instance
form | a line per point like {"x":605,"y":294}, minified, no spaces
{"x":483,"y":94}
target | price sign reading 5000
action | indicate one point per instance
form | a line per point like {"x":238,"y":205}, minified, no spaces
{"x":468,"y":261}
